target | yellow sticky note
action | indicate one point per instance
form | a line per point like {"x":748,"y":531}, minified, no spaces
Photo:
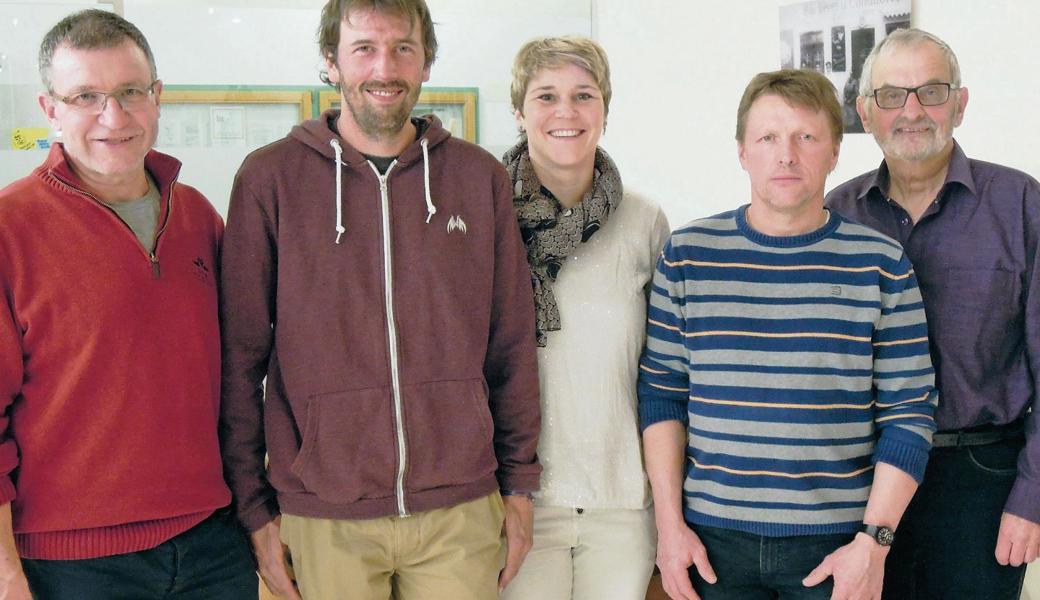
{"x":29,"y":138}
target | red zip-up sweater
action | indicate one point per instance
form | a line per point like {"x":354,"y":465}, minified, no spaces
{"x":109,"y":366}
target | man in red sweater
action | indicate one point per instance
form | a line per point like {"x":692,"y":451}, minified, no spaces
{"x":110,"y":475}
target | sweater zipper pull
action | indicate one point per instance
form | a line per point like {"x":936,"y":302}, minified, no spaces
{"x":155,"y":264}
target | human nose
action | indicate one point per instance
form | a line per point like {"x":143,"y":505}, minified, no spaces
{"x":566,"y":108}
{"x":112,"y":110}
{"x":788,"y":154}
{"x":383,"y":65}
{"x":912,"y":108}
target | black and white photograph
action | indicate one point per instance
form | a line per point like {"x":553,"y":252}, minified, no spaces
{"x":834,"y":37}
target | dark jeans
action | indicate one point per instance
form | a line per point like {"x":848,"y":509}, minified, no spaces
{"x":754,"y":567}
{"x":945,"y":542}
{"x":212,"y":560}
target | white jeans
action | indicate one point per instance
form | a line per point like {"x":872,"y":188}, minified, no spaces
{"x":587,"y":555}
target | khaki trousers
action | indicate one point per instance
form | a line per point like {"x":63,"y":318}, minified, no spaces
{"x":450,"y":553}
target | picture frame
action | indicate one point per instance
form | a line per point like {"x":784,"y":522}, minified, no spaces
{"x":203,"y":117}
{"x":455,"y":107}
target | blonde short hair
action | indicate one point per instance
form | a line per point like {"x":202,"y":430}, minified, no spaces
{"x":555,"y":52}
{"x":798,"y":87}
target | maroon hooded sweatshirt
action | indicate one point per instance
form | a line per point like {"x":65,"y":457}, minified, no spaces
{"x":393,"y":319}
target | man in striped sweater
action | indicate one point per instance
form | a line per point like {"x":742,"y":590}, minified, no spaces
{"x":787,"y":354}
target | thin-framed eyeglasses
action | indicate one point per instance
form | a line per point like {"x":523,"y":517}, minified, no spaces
{"x":929,"y":94}
{"x":91,"y":102}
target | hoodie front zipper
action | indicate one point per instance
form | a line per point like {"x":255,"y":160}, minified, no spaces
{"x":391,"y":332}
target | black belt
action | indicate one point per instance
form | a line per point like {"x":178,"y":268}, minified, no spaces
{"x":978,"y":436}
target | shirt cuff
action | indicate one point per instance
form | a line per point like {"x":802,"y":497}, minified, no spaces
{"x":1022,"y":501}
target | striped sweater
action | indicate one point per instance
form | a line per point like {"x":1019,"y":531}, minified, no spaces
{"x":796,"y":363}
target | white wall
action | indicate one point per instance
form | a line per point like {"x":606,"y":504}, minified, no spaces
{"x":273,"y":42}
{"x":679,"y":68}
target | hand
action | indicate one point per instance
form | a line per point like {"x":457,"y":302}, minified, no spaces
{"x":678,"y":547}
{"x":270,"y":561}
{"x":518,"y":528}
{"x":1018,"y":541}
{"x":13,"y":586}
{"x":858,"y":569}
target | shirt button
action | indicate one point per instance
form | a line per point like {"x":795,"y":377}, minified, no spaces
{"x":905,"y":221}
{"x":579,"y":510}
{"x":567,"y":212}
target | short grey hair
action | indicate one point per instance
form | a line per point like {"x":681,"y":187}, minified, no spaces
{"x":90,"y":29}
{"x":904,"y":38}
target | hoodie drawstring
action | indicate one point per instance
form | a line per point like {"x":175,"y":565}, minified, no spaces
{"x":430,"y":208}
{"x":340,"y":229}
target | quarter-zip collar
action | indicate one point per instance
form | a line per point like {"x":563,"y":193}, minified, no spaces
{"x":163,"y":168}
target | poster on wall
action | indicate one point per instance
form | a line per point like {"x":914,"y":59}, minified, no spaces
{"x":834,"y":37}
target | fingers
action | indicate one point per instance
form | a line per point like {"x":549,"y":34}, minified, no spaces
{"x":514,"y":558}
{"x":818,"y":575}
{"x":704,"y":568}
{"x":676,"y":583}
{"x":516,"y":550}
{"x":1003,"y":549}
{"x":275,"y":573}
{"x":1032,"y":552}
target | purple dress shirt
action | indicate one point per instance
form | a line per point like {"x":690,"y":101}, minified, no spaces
{"x":976,"y":253}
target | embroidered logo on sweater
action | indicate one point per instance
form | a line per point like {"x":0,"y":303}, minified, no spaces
{"x":201,"y":270}
{"x":455,"y":223}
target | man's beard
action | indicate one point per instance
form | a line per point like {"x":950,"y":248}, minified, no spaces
{"x":381,"y":123}
{"x":901,"y":150}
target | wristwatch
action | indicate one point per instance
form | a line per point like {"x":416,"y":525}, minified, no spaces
{"x":884,"y":536}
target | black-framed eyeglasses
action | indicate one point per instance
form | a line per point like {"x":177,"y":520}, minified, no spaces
{"x":929,"y":94}
{"x":92,"y":102}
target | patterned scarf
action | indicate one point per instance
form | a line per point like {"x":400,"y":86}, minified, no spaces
{"x":552,"y":233}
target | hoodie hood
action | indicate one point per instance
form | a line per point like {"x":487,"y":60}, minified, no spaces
{"x":317,"y":135}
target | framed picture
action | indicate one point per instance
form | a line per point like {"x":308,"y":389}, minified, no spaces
{"x":455,"y":107}
{"x":230,"y":117}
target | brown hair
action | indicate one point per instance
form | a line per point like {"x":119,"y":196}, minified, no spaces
{"x":555,"y":52}
{"x":337,"y":11}
{"x":798,"y":87}
{"x":88,"y":30}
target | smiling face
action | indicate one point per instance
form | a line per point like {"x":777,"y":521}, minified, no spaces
{"x":105,"y":150}
{"x":787,"y":151}
{"x":563,"y":116}
{"x":380,"y":68}
{"x":913,"y":132}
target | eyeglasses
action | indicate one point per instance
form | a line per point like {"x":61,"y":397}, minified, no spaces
{"x":90,"y":102}
{"x":930,"y":94}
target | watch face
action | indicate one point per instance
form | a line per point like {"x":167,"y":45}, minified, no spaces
{"x":885,"y":536}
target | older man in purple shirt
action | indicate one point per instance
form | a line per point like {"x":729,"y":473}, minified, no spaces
{"x":972,"y":231}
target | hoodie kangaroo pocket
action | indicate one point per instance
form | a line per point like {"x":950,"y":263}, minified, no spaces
{"x":449,"y":433}
{"x":348,"y":450}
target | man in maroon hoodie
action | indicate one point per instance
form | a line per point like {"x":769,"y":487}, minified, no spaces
{"x":110,"y":474}
{"x":374,"y":274}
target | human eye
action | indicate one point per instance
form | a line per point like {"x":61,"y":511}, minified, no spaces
{"x":891,"y":95}
{"x":930,"y":92}
{"x":585,"y":96}
{"x":769,"y":137}
{"x":362,"y":49}
{"x":807,"y":137}
{"x":85,"y":99}
{"x":132,"y":93}
{"x":406,"y":49}
{"x":546,"y":97}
